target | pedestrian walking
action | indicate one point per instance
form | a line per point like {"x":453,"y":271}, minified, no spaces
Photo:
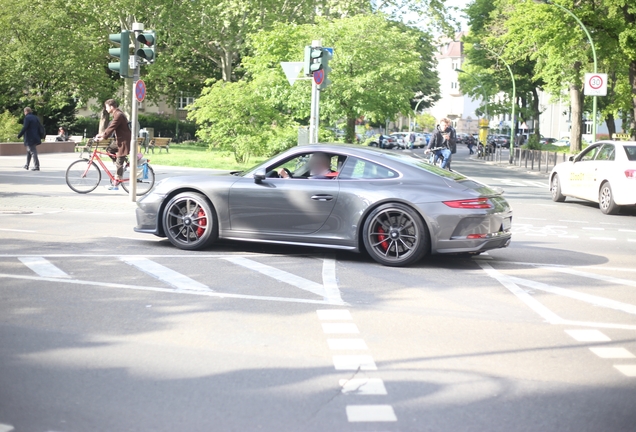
{"x":411,"y":140}
{"x":121,"y":147}
{"x":33,"y":133}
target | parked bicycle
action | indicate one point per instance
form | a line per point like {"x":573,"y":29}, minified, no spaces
{"x":83,"y":176}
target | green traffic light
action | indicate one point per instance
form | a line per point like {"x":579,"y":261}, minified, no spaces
{"x":123,"y":40}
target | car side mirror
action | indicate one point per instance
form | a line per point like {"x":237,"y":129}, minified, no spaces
{"x":259,"y":176}
{"x":571,"y":159}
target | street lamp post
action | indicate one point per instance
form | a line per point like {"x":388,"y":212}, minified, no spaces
{"x":589,"y":38}
{"x":514,"y":101}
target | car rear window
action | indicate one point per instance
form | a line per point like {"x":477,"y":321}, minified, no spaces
{"x":631,"y":152}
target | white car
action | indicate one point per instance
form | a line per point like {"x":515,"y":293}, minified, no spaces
{"x":404,"y":141}
{"x":604,"y":173}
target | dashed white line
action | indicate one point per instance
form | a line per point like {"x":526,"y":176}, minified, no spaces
{"x":612,"y":352}
{"x":17,"y":230}
{"x":627,"y":230}
{"x":347,"y":344}
{"x":627,"y":370}
{"x":6,"y":427}
{"x":354,"y":362}
{"x":334,"y":315}
{"x":536,"y":219}
{"x":363,"y":386}
{"x":569,"y":236}
{"x":631,"y":240}
{"x":587,"y":335}
{"x":330,"y":281}
{"x":603,"y":238}
{"x":572,"y":221}
{"x":370,"y":413}
{"x":164,"y":274}
{"x":594,"y":229}
{"x":340,"y":328}
{"x":42,"y":267}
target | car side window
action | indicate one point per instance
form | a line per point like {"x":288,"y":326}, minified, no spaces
{"x":630,"y":151}
{"x":607,"y":153}
{"x":355,"y":169}
{"x":589,"y":154}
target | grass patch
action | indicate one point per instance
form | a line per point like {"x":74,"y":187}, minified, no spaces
{"x":194,"y":156}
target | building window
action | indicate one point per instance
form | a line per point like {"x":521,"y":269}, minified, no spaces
{"x":184,"y":101}
{"x":588,"y":127}
{"x":454,"y":85}
{"x":456,"y":64}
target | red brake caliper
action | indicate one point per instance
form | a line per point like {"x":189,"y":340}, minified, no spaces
{"x":382,"y":237}
{"x":202,"y":222}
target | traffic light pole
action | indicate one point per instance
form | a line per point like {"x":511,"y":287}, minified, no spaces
{"x":314,"y":118}
{"x":137,"y":28}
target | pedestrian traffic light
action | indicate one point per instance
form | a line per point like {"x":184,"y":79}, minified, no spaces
{"x":123,"y":40}
{"x":148,"y":43}
{"x":324,"y":65}
{"x":312,"y":59}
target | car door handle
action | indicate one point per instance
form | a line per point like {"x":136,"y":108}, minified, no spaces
{"x":322,"y":197}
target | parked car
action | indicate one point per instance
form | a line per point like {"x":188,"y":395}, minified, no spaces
{"x":563,"y":142}
{"x":389,"y":141}
{"x":544,"y":141}
{"x":372,"y":200}
{"x":604,"y":173}
{"x":402,"y":139}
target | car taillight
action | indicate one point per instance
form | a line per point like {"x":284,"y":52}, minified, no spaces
{"x":477,"y":203}
{"x":630,"y":174}
{"x":476,"y":236}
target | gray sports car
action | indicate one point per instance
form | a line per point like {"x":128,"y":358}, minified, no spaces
{"x":395,"y":206}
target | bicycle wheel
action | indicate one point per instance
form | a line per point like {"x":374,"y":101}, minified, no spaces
{"x":83,"y":176}
{"x":145,"y":179}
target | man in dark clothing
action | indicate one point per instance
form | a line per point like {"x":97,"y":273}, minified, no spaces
{"x":445,"y":137}
{"x":32,"y":131}
{"x":121,"y":146}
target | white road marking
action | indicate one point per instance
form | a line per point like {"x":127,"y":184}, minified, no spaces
{"x":536,"y":183}
{"x":340,"y":328}
{"x":370,"y":413}
{"x":557,"y":226}
{"x":588,"y":335}
{"x":17,"y":230}
{"x":334,"y":315}
{"x":330,"y":281}
{"x":42,"y":267}
{"x":147,"y":239}
{"x":627,"y":370}
{"x":594,"y":229}
{"x":631,"y":240}
{"x":533,"y":304}
{"x":572,"y":221}
{"x":280,"y":275}
{"x":354,"y":362}
{"x":627,"y":230}
{"x":569,"y":236}
{"x":612,"y":352}
{"x":6,"y":427}
{"x":609,"y":279}
{"x":208,"y":293}
{"x":164,"y":274}
{"x":603,"y":238}
{"x":528,"y":218}
{"x":347,"y":344}
{"x":363,"y":386}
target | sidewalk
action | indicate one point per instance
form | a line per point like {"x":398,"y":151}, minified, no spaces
{"x":506,"y":165}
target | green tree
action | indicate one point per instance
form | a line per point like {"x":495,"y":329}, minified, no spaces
{"x":9,"y":127}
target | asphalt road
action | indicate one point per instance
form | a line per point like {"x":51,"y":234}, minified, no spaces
{"x":103,"y":329}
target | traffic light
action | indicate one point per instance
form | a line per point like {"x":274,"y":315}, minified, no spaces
{"x":324,"y":63}
{"x":123,"y":40}
{"x":312,"y":60}
{"x":148,"y":43}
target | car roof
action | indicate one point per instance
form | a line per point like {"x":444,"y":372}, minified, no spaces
{"x":616,"y":142}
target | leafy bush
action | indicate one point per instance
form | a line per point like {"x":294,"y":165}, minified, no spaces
{"x":85,"y":125}
{"x":9,"y":127}
{"x":533,"y":143}
{"x":166,"y":126}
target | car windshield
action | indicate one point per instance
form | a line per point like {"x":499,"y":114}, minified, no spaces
{"x":631,"y":152}
{"x":423,"y":165}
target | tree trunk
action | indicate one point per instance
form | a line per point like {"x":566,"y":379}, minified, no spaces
{"x":536,"y":112}
{"x":350,"y":134}
{"x":104,"y":118}
{"x":226,"y":65}
{"x":611,"y":124}
{"x":576,"y":106}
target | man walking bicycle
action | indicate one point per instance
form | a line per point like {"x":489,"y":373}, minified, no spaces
{"x":33,"y":132}
{"x":121,"y":146}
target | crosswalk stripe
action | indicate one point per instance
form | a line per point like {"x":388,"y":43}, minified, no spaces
{"x":370,"y":413}
{"x":43,"y":267}
{"x":164,"y":274}
{"x":6,"y":427}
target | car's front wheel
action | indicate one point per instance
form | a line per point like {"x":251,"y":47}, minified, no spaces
{"x":395,"y":235}
{"x":606,"y":200}
{"x":190,"y":222}
{"x":555,"y":189}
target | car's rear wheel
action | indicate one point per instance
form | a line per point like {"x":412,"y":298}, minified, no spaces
{"x":555,"y":189}
{"x":395,"y":235}
{"x":190,"y":222}
{"x":606,"y":200}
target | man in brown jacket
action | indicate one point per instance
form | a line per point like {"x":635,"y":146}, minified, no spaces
{"x":121,"y":146}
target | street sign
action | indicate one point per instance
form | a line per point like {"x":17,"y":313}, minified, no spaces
{"x":330,"y":50}
{"x":319,"y":76}
{"x":140,"y":90}
{"x":595,"y":84}
{"x":292,"y":69}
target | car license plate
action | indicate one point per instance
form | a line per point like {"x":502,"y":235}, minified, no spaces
{"x":507,"y":222}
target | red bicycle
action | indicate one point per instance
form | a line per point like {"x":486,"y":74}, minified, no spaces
{"x":84,"y":175}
